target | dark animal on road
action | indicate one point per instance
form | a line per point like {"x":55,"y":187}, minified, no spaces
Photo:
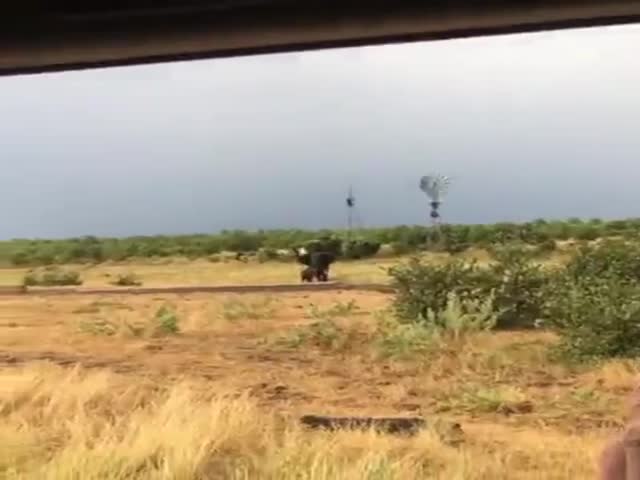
{"x":318,"y":261}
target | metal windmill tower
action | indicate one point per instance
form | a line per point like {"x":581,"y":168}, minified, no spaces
{"x":351,"y":205}
{"x":435,"y":187}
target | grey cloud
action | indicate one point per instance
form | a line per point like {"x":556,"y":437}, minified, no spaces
{"x":530,"y":126}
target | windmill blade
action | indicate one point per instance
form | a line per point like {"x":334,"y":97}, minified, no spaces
{"x":435,"y":186}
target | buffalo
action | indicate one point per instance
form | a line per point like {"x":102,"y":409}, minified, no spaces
{"x":317,"y":263}
{"x":308,"y":274}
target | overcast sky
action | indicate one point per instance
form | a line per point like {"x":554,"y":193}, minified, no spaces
{"x":528,"y":126}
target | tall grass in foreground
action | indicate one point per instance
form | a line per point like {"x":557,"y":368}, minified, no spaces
{"x":60,"y":424}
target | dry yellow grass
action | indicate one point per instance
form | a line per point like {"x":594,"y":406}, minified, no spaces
{"x":170,"y":272}
{"x":59,"y":424}
{"x":221,"y":398}
{"x":182,"y":271}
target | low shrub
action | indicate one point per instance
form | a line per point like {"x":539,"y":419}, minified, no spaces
{"x":267,"y":255}
{"x":612,"y":258}
{"x":50,"y":277}
{"x":398,"y":340}
{"x":165,"y":322}
{"x":595,"y":317}
{"x":357,"y":249}
{"x":546,"y":247}
{"x":515,"y":282}
{"x":422,"y":287}
{"x":519,"y":286}
{"x":127,"y":280}
{"x":402,"y":248}
{"x":337,"y":310}
{"x":594,"y":302}
{"x":324,"y":334}
{"x":255,"y":309}
{"x":461,"y":317}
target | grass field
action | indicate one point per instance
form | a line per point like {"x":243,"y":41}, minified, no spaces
{"x":177,"y":271}
{"x":201,"y":272}
{"x":219,"y":397}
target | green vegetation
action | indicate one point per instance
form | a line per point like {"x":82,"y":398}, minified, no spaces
{"x":513,"y":280}
{"x":592,"y":302}
{"x":165,"y":322}
{"x":51,"y":277}
{"x":402,"y":239}
{"x":257,"y":309}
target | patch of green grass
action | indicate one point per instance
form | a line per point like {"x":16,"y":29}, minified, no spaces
{"x":324,"y":334}
{"x":402,"y":340}
{"x":51,"y":277}
{"x":236,"y":309}
{"x":102,"y":326}
{"x":337,"y":310}
{"x":480,"y":399}
{"x":164,"y":322}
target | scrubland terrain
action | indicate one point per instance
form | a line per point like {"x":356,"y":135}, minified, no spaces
{"x":530,"y":348}
{"x":211,"y":386}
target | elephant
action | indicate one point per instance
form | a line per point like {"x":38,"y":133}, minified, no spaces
{"x":317,"y":263}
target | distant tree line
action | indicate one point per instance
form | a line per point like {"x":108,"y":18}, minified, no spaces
{"x":268,"y":243}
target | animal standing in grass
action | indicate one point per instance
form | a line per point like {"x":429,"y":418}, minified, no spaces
{"x":317,"y":263}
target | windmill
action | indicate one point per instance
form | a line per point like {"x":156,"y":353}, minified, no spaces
{"x":351,"y":205}
{"x":436,"y":188}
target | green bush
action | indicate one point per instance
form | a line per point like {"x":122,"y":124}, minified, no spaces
{"x":611,"y":258}
{"x":49,"y":277}
{"x":594,"y":303}
{"x":460,"y":317}
{"x":422,"y":288}
{"x":546,"y":247}
{"x":401,"y":248}
{"x":455,"y":239}
{"x":519,"y":286}
{"x":256,"y":309}
{"x":21,"y":258}
{"x":267,"y":255}
{"x":241,"y":241}
{"x":596,"y":317}
{"x":166,"y":322}
{"x":357,"y":249}
{"x":516,"y":282}
{"x":324,"y":334}
{"x":400,"y":340}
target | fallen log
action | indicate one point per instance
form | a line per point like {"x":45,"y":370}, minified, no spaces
{"x":392,"y":425}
